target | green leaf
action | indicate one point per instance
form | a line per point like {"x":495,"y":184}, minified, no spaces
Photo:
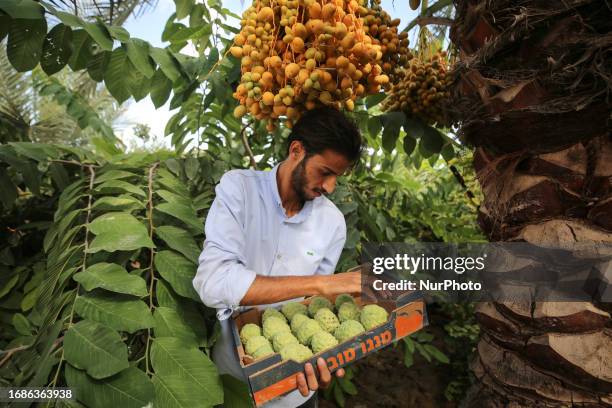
{"x":175,"y":198}
{"x":409,"y":344}
{"x":432,"y":140}
{"x":422,"y":351}
{"x":178,"y":271}
{"x":5,"y":22}
{"x":119,"y":33}
{"x":409,"y":144}
{"x":117,"y":75}
{"x":161,"y":87}
{"x":131,"y":388}
{"x":22,"y":324}
{"x":96,"y":66}
{"x":114,"y":175}
{"x":183,"y":7}
{"x":138,"y":53}
{"x":191,"y":167}
{"x":8,"y":190}
{"x":119,"y":231}
{"x":347,"y":386}
{"x":166,"y":61}
{"x":119,"y":312}
{"x":95,"y":348}
{"x":100,"y":35}
{"x":436,"y":353}
{"x":57,"y":49}
{"x":81,"y":50}
{"x":114,"y":186}
{"x":339,"y":395}
{"x":185,"y":375}
{"x":374,"y":126}
{"x":169,"y":323}
{"x":179,"y":240}
{"x":408,"y":358}
{"x":182,"y":213}
{"x":25,"y":41}
{"x":414,"y":127}
{"x":138,"y":84}
{"x":69,"y":19}
{"x":111,"y":277}
{"x":374,"y":99}
{"x":23,"y":9}
{"x":392,"y":123}
{"x":235,"y":393}
{"x":122,"y":202}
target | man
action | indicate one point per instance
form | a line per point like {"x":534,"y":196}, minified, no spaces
{"x":274,"y":236}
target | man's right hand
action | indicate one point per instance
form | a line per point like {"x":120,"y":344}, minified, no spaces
{"x":345,"y":282}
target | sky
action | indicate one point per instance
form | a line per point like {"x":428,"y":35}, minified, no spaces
{"x":149,"y":27}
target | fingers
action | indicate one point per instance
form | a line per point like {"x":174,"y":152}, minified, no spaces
{"x":313,"y":384}
{"x":340,"y":373}
{"x":324,"y":374}
{"x":302,"y":386}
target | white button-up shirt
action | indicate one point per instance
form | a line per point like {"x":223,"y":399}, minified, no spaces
{"x":248,"y":233}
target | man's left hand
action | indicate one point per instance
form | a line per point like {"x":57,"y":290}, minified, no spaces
{"x":309,"y":382}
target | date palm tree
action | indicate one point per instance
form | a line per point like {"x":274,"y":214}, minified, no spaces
{"x":533,"y":90}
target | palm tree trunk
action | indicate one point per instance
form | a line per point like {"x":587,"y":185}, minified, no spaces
{"x":532,"y":94}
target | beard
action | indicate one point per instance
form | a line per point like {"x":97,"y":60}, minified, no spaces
{"x":299,"y":182}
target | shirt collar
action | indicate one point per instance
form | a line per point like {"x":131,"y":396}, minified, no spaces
{"x":297,"y":218}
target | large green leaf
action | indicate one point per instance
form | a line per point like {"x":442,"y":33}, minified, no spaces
{"x":183,"y":7}
{"x":182,"y":213}
{"x":95,"y":348}
{"x":188,"y":378}
{"x":114,"y":186}
{"x":82,"y":50}
{"x":118,"y":231}
{"x":161,"y":87}
{"x":178,"y":271}
{"x":166,"y":62}
{"x":23,"y":9}
{"x":117,"y":75}
{"x":138,"y":53}
{"x":123,"y":202}
{"x":111,"y":277}
{"x":236,"y":393}
{"x":189,"y":310}
{"x":96,"y":66}
{"x":119,"y":312}
{"x":169,"y":323}
{"x":8,"y":190}
{"x":100,"y":35}
{"x":131,"y":388}
{"x":57,"y":49}
{"x":174,"y":198}
{"x":179,"y":240}
{"x":114,"y":175}
{"x":432,"y":140}
{"x":392,"y":123}
{"x":25,"y":41}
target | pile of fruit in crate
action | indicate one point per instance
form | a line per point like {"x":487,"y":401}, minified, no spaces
{"x":298,"y":331}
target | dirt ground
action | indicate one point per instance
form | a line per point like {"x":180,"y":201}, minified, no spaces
{"x":384,"y":381}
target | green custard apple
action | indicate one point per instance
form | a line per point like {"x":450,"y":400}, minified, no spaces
{"x":273,"y":325}
{"x":318,"y":302}
{"x":255,"y":343}
{"x":307,"y":329}
{"x":327,"y":319}
{"x":282,"y":339}
{"x":292,"y":308}
{"x":249,"y":330}
{"x":348,"y":329}
{"x":271,"y":312}
{"x":296,"y":352}
{"x":372,"y":316}
{"x":297,"y":320}
{"x":322,"y":341}
{"x":263,"y":351}
{"x":348,"y":311}
{"x":343,"y":298}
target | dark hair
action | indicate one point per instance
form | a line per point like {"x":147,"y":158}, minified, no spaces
{"x":327,"y":128}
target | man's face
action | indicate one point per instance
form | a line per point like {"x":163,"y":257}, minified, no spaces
{"x":315,"y":175}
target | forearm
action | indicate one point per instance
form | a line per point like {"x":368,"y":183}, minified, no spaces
{"x":272,"y":289}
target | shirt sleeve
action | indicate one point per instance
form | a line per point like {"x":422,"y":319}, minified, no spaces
{"x":222,"y":279}
{"x":329,"y":261}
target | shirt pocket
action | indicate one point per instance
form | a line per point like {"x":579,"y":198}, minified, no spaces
{"x":303,"y":259}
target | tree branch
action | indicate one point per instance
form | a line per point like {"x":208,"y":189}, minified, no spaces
{"x":247,"y":147}
{"x":422,"y":21}
{"x":428,"y":12}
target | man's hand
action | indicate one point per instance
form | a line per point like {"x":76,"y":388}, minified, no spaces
{"x":346,"y":282}
{"x":309,"y":382}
